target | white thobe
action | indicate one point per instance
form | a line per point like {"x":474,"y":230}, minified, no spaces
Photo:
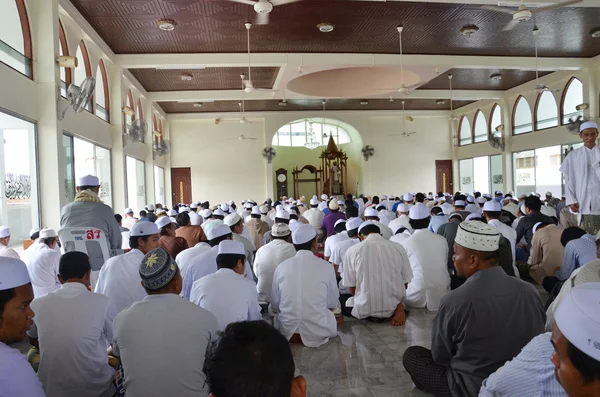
{"x":378,"y":269}
{"x":332,"y":241}
{"x":17,"y":378}
{"x":120,"y":279}
{"x":184,"y":258}
{"x":428,"y":255}
{"x":129,"y":221}
{"x":304,"y":291}
{"x":511,"y":235}
{"x":229,"y":296}
{"x":473,"y":208}
{"x":25,"y":255}
{"x":447,"y":208}
{"x":581,"y":169}
{"x":43,"y":270}
{"x":74,"y":327}
{"x":8,"y":252}
{"x":314,"y":216}
{"x":248,"y":247}
{"x":268,"y":257}
{"x":399,"y":237}
{"x":337,"y":258}
{"x":402,"y":221}
{"x":266,"y":219}
{"x":195,"y":219}
{"x":385,"y":217}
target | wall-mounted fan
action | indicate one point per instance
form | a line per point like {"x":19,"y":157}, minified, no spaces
{"x":496,"y":138}
{"x":79,"y":96}
{"x":163,"y":147}
{"x":137,"y":132}
{"x":269,"y":154}
{"x":574,"y":124}
{"x":367,"y":152}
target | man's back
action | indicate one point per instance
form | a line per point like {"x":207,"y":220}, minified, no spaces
{"x":92,"y":214}
{"x":162,"y":341}
{"x":185,"y":257}
{"x":314,"y":217}
{"x":448,"y":231}
{"x":268,"y":257}
{"x":525,"y":226}
{"x":482,"y":324}
{"x":43,"y":270}
{"x":200,"y":266}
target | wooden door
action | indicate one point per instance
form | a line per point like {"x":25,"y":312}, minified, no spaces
{"x":181,"y":185}
{"x":443,"y":176}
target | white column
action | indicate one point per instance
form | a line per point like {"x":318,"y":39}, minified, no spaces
{"x":507,"y":166}
{"x":117,"y":154}
{"x":168,"y":191}
{"x":592,"y":98}
{"x":149,"y":160}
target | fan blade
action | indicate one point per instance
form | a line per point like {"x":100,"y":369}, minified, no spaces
{"x":251,"y":139}
{"x":262,"y":19}
{"x":282,"y":2}
{"x":248,"y":2}
{"x":557,"y":5}
{"x":248,"y":84}
{"x":511,"y":25}
{"x":498,"y":9}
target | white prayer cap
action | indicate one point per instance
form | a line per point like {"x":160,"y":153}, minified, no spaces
{"x":231,"y":247}
{"x":338,"y":222}
{"x":142,"y":228}
{"x":523,"y":209}
{"x":231,"y":202}
{"x":460,"y":203}
{"x":333,"y":205}
{"x":184,"y":209}
{"x":417,"y":212}
{"x":163,"y":221}
{"x":499,"y":193}
{"x":218,"y":212}
{"x":4,"y":231}
{"x":371,"y":212}
{"x":492,"y":206}
{"x":13,"y":273}
{"x":578,"y":318}
{"x":150,"y":207}
{"x":292,"y":212}
{"x":430,"y":197}
{"x":225,"y":207}
{"x":160,"y":211}
{"x":33,"y":231}
{"x":206,"y":213}
{"x":586,"y":125}
{"x":314,"y":200}
{"x":232,"y":219}
{"x":477,"y":236}
{"x":172,"y":212}
{"x":218,"y":231}
{"x":353,"y":223}
{"x":340,"y":202}
{"x":548,"y":194}
{"x":403,"y":208}
{"x":303,"y":234}
{"x":481,"y":200}
{"x":128,"y":211}
{"x":535,"y":227}
{"x":455,"y":215}
{"x":384,"y":197}
{"x":408,"y":197}
{"x":256,"y":211}
{"x":473,"y":215}
{"x":294,"y":224}
{"x":470,"y":199}
{"x":88,"y":180}
{"x":248,"y":205}
{"x":366,"y":223}
{"x":547,"y":210}
{"x":282,"y":214}
{"x":194,"y":206}
{"x":280,"y":230}
{"x":48,"y":233}
{"x":263,"y":209}
{"x":324,"y":197}
{"x":322,"y":205}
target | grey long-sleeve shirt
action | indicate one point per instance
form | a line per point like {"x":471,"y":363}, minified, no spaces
{"x":92,"y":214}
{"x":483,"y":324}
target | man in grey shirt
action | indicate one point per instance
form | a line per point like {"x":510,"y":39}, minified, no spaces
{"x":162,"y":339}
{"x":480,"y":325}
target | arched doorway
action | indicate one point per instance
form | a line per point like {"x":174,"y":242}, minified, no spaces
{"x":300,"y":144}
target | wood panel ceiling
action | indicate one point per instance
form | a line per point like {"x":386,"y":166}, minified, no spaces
{"x":308,"y":104}
{"x":479,"y":79}
{"x":203,"y":79}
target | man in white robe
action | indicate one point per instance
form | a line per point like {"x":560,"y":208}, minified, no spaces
{"x":119,"y":278}
{"x":129,"y":219}
{"x":4,"y":241}
{"x":184,"y":258}
{"x":43,"y":264}
{"x":581,"y":169}
{"x":371,"y":214}
{"x":340,"y":235}
{"x":314,"y":215}
{"x":402,"y":220}
{"x":236,"y":224}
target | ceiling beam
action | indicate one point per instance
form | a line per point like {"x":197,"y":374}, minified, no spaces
{"x":511,"y":3}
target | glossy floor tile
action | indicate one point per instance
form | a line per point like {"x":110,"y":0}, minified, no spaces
{"x":365,"y":359}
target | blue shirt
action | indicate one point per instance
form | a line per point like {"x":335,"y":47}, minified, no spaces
{"x":577,"y":253}
{"x":529,"y":374}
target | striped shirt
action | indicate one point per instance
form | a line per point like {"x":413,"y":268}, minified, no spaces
{"x":531,"y":373}
{"x":577,"y":253}
{"x":378,"y":268}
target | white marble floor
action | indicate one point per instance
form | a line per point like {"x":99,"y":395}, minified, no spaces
{"x":365,"y":359}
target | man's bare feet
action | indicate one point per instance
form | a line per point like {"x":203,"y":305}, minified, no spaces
{"x":399,"y":317}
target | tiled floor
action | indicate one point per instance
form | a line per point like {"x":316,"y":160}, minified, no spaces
{"x":365,"y":359}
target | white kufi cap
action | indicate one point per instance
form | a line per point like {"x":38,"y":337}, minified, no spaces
{"x":280,"y":230}
{"x":218,"y":231}
{"x":13,"y":273}
{"x":163,"y":221}
{"x":88,"y":180}
{"x":256,"y":211}
{"x":353,"y":223}
{"x":477,"y":236}
{"x":232,"y":219}
{"x":586,"y":125}
{"x":371,"y":212}
{"x":417,"y":212}
{"x":314,"y":201}
{"x":49,"y":233}
{"x":460,"y":203}
{"x":403,"y":208}
{"x":492,"y":206}
{"x":231,"y":247}
{"x":141,"y":229}
{"x":172,"y":212}
{"x":4,"y":231}
{"x":408,"y":197}
{"x":303,"y":234}
{"x":281,"y":214}
{"x":206,"y":213}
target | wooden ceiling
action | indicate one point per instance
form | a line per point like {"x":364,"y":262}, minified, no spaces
{"x":205,"y":26}
{"x":308,"y":104}
{"x":479,"y":79}
{"x":203,"y":79}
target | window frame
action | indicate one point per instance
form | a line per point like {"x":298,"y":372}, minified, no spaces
{"x":27,"y":40}
{"x":514,"y":112}
{"x":127,"y":181}
{"x":561,"y":112}
{"x":474,"y":127}
{"x":325,"y":126}
{"x":102,"y":68}
{"x":88,"y":72}
{"x":460,"y":123}
{"x":491,"y":128}
{"x":62,"y":37}
{"x":535,"y":112}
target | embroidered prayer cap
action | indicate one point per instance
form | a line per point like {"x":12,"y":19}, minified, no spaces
{"x":303,"y":234}
{"x":88,"y":180}
{"x":172,"y":212}
{"x":417,"y":212}
{"x":589,"y":273}
{"x":586,"y":125}
{"x":157,"y":269}
{"x":477,"y":236}
{"x":492,"y":206}
{"x":163,"y":221}
{"x":338,"y":222}
{"x":128,"y":210}
{"x":143,"y":228}
{"x":48,"y":232}
{"x":280,"y":230}
{"x":256,"y":211}
{"x":353,"y":223}
{"x":333,"y":205}
{"x":218,"y":231}
{"x":408,"y":197}
{"x":578,"y":318}
{"x":314,"y":200}
{"x":13,"y":273}
{"x":232,"y":219}
{"x":281,"y":214}
{"x":231,"y":247}
{"x":4,"y":231}
{"x":403,"y":208}
{"x":205,"y":213}
{"x":371,"y":212}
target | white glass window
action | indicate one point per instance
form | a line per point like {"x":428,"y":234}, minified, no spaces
{"x":538,"y":171}
{"x":298,"y":132}
{"x":573,"y":97}
{"x":12,"y":42}
{"x":481,"y":128}
{"x":547,"y":111}
{"x":496,"y":173}
{"x":159,"y":185}
{"x":481,"y":174}
{"x":496,"y":117}
{"x":466,"y":175}
{"x":80,"y":72}
{"x":136,"y":185}
{"x":101,"y":104}
{"x":103,"y":172}
{"x":522,"y":119}
{"x":524,"y":168}
{"x":19,"y":206}
{"x":128,"y":118}
{"x":69,"y":168}
{"x":465,"y":132}
{"x":63,"y":73}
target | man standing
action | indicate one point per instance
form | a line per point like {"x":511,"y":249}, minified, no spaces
{"x":89,"y":211}
{"x":162,"y":339}
{"x":17,"y":378}
{"x":314,"y":215}
{"x":43,"y":264}
{"x":582,"y":178}
{"x":305,"y":292}
{"x":257,"y":227}
{"x":129,"y":220}
{"x":377,"y":271}
{"x":480,"y":325}
{"x":227,"y":294}
{"x":119,"y":278}
{"x":74,"y":326}
{"x":4,"y":241}
{"x":329,"y":220}
{"x":195,"y":218}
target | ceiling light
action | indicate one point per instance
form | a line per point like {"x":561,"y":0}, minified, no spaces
{"x":596,"y":33}
{"x":326,"y":27}
{"x":440,"y":102}
{"x":197,"y":105}
{"x":186,"y":76}
{"x":364,"y":102}
{"x":166,"y":25}
{"x":496,"y":77}
{"x":468,"y":30}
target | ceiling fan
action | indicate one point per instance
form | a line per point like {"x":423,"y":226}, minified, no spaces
{"x":248,"y":85}
{"x":404,"y":133}
{"x":452,"y":116}
{"x":264,"y":7}
{"x":524,"y":14}
{"x":539,"y":87}
{"x":403,"y":90}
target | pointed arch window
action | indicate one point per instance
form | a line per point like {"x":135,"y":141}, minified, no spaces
{"x":83,"y":69}
{"x":464,"y":132}
{"x":521,"y":120}
{"x":546,"y":111}
{"x":102,"y":97}
{"x":480,"y":128}
{"x":15,"y":36}
{"x":495,"y":118}
{"x":572,"y":96}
